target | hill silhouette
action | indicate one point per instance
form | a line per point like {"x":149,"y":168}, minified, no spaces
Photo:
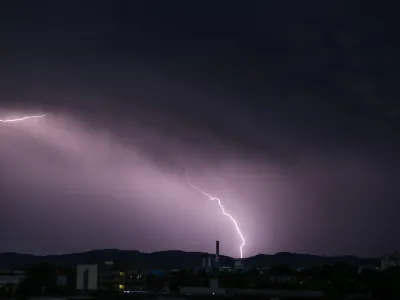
{"x":173,"y":259}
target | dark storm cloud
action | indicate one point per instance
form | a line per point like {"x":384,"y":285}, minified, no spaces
{"x":286,"y":114}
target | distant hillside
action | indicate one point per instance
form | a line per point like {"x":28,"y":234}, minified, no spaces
{"x":172,"y":259}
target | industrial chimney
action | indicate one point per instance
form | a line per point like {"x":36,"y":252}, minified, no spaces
{"x":216,"y":263}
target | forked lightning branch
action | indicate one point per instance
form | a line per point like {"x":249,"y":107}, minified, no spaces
{"x":224,"y":212}
{"x":21,"y":119}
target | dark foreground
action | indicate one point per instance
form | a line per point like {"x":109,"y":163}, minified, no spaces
{"x":182,"y":297}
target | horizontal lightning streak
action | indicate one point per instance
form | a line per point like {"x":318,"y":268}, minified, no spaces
{"x":22,"y":119}
{"x":223,"y":211}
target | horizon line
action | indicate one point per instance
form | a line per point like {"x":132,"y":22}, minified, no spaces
{"x":176,"y":250}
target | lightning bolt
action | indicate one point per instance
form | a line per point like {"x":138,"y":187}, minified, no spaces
{"x":223,"y":211}
{"x":22,"y":119}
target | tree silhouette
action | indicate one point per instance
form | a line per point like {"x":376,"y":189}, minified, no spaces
{"x":40,"y":279}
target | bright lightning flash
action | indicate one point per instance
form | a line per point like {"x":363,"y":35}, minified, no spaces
{"x":22,"y":119}
{"x":224,"y":212}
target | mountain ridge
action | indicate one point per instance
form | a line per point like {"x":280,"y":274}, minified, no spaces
{"x":173,"y":259}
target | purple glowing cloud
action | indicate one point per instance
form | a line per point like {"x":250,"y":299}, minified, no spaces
{"x":71,"y":185}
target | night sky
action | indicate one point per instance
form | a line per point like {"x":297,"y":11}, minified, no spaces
{"x":288,"y":112}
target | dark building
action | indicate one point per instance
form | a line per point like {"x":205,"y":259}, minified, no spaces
{"x":109,"y":277}
{"x":136,"y":280}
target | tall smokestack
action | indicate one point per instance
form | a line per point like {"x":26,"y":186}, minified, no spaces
{"x":217,"y":249}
